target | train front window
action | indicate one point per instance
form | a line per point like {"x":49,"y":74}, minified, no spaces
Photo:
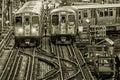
{"x":19,"y":20}
{"x":71,"y":18}
{"x":63,"y":19}
{"x":35,"y":20}
{"x":55,"y":19}
{"x":27,"y":21}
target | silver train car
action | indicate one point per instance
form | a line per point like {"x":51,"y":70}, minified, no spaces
{"x":63,"y":25}
{"x":99,"y":14}
{"x":28,"y":24}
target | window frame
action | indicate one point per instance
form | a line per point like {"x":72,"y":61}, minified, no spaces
{"x":35,"y":20}
{"x":17,"y":22}
{"x":54,"y":20}
{"x":71,"y":20}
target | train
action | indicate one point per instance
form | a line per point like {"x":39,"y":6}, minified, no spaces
{"x":65,"y":22}
{"x":107,"y":15}
{"x":68,"y":21}
{"x":62,"y":25}
{"x":28,"y":24}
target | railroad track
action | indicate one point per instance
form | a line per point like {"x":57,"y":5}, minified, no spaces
{"x":12,"y":60}
{"x":53,"y":67}
{"x":68,"y":67}
{"x":82,"y":64}
{"x":57,"y":63}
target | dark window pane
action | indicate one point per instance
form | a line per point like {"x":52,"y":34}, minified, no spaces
{"x":55,"y":19}
{"x":110,"y":13}
{"x":35,"y":20}
{"x":19,"y":20}
{"x":71,"y":18}
{"x":106,"y":12}
{"x":101,"y":14}
{"x":26,"y":21}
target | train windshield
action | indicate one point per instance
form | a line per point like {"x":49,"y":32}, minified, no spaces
{"x":35,"y":20}
{"x":63,"y":18}
{"x":27,"y":21}
{"x":71,"y":18}
{"x":19,"y":20}
{"x":55,"y":19}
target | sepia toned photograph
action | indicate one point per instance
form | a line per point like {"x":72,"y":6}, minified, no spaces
{"x":59,"y":39}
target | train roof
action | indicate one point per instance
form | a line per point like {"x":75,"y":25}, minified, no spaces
{"x":96,"y":6}
{"x":32,"y":7}
{"x":64,"y":8}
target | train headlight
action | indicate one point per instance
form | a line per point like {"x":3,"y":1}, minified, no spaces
{"x":34,"y":30}
{"x":20,"y":30}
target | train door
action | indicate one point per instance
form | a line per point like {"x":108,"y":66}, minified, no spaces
{"x":27,"y":25}
{"x":63,"y":24}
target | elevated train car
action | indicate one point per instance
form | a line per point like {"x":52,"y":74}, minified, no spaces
{"x":28,"y":24}
{"x":63,"y":25}
{"x":99,"y":14}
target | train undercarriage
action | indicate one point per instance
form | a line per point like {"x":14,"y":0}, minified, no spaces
{"x":27,"y":42}
{"x":62,"y":39}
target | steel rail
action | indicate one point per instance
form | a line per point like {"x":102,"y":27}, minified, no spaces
{"x":16,"y":69}
{"x":28,"y":68}
{"x":11,"y":71}
{"x":72,"y":55}
{"x":7,"y":64}
{"x":33,"y":61}
{"x":59,"y":61}
{"x":84,"y":68}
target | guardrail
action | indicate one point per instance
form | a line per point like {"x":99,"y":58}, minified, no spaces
{"x":5,"y":39}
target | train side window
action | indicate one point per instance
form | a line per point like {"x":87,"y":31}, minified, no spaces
{"x":85,"y":15}
{"x":27,"y":21}
{"x":110,"y":12}
{"x":106,"y":12}
{"x":101,"y":13}
{"x":19,"y":20}
{"x":71,"y":18}
{"x":55,"y":19}
{"x":79,"y":15}
{"x":35,"y":20}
